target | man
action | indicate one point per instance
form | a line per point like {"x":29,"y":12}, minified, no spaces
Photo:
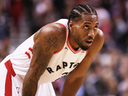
{"x":64,"y":47}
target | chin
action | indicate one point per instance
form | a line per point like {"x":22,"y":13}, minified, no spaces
{"x":84,"y":48}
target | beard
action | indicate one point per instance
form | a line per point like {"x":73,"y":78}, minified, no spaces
{"x":81,"y":43}
{"x":84,"y":47}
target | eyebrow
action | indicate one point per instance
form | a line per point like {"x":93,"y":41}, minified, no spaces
{"x":89,"y":23}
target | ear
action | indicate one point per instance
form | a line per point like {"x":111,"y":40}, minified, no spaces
{"x":71,"y":25}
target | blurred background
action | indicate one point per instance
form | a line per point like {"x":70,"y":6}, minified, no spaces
{"x":108,"y":73}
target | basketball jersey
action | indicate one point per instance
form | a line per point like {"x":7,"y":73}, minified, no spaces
{"x":61,"y":63}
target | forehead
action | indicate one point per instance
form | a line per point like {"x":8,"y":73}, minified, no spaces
{"x":89,"y":18}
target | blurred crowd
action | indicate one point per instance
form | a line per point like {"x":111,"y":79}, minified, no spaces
{"x":108,"y":73}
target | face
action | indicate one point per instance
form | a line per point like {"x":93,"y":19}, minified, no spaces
{"x":84,"y":31}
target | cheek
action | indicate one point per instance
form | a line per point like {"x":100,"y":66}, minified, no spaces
{"x":84,"y":35}
{"x":95,"y":33}
{"x":76,"y":32}
{"x":80,"y":33}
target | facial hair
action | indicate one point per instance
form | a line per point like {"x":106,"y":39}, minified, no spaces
{"x":82,"y":46}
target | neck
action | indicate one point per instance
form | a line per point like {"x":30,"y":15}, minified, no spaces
{"x":73,"y":42}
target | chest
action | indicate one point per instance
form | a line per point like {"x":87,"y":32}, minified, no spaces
{"x":64,"y":61}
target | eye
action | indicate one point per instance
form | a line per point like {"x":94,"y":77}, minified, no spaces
{"x":86,"y":26}
{"x":95,"y":27}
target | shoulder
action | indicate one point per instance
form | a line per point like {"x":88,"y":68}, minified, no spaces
{"x":53,"y":28}
{"x":99,"y":37}
{"x":100,"y":33}
{"x":97,"y":43}
{"x":51,"y":35}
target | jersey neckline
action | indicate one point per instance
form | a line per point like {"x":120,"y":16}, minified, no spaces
{"x":68,"y":42}
{"x":70,"y":47}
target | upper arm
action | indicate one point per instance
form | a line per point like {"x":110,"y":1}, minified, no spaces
{"x":82,"y":68}
{"x":50,"y":38}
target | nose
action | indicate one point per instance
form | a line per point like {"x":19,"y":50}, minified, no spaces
{"x":91,"y":33}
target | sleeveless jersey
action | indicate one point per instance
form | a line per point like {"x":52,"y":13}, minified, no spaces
{"x":61,"y":64}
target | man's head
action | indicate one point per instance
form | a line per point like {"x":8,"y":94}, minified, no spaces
{"x":83,"y":24}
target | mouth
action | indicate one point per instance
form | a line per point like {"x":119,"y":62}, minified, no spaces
{"x":89,"y":42}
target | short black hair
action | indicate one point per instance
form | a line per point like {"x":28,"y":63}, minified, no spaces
{"x":81,"y":8}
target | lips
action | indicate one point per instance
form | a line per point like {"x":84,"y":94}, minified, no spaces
{"x":89,"y":42}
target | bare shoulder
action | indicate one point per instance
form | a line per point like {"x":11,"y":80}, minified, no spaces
{"x":100,"y":34}
{"x":51,"y":36}
{"x":97,"y":43}
{"x":99,"y":37}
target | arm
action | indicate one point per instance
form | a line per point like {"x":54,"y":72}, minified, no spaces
{"x":76,"y":77}
{"x":48,"y":40}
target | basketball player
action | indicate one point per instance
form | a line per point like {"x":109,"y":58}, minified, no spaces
{"x":64,"y":47}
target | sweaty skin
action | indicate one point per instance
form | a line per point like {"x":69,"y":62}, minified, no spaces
{"x":50,"y":38}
